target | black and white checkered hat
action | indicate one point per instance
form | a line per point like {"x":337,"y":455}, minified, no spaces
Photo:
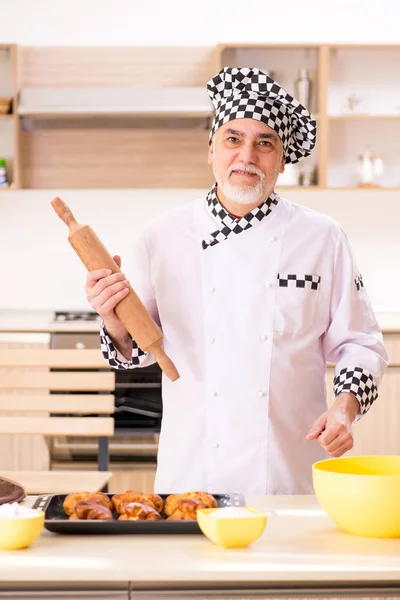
{"x":251,"y":94}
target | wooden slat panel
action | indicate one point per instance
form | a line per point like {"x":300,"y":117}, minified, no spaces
{"x":65,"y":359}
{"x":115,"y":158}
{"x":88,"y":426}
{"x":58,"y":381}
{"x":108,"y":66}
{"x":59,"y":482}
{"x":58,"y":403}
{"x":23,"y":451}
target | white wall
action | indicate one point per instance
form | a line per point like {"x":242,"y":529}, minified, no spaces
{"x":181,"y":22}
{"x":39,"y":269}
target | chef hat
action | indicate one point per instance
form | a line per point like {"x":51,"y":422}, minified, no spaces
{"x":251,"y":94}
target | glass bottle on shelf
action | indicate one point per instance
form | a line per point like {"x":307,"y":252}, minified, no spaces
{"x":370,"y":168}
{"x":304,"y":88}
{"x":3,"y":174}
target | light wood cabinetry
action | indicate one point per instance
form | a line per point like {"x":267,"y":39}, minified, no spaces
{"x":133,"y":477}
{"x":23,"y":452}
{"x":162,"y":143}
{"x":141,"y":119}
{"x":378,"y":431}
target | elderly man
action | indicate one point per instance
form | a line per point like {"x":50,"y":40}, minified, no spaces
{"x":254,"y":294}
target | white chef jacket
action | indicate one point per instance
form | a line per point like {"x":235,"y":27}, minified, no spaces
{"x":250,"y":323}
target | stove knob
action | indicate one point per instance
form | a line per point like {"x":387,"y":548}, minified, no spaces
{"x":80,"y":346}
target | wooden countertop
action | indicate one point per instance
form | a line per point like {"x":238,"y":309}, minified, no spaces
{"x":299,"y":546}
{"x":42,"y":322}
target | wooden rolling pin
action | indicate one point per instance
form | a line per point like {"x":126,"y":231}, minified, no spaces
{"x":130,"y":309}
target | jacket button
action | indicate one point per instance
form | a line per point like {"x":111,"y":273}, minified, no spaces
{"x":214,"y":393}
{"x":264,"y":338}
{"x":212,"y":341}
{"x":212,"y":290}
{"x":261,"y":393}
{"x":215,"y":445}
{"x":273,"y":239}
{"x":268,"y":284}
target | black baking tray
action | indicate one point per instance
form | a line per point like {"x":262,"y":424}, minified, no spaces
{"x":57,"y":521}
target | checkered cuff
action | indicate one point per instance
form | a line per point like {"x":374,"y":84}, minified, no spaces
{"x":358,"y":382}
{"x":111,"y":354}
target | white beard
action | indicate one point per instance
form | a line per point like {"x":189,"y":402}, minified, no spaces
{"x":251,"y":194}
{"x":240,"y":195}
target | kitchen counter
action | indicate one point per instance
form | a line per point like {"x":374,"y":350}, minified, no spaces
{"x":301,"y":548}
{"x":42,"y":322}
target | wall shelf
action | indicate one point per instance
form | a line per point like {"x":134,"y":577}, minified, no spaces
{"x":140,"y":117}
{"x":362,"y":117}
{"x":159,"y":102}
{"x":355,"y":98}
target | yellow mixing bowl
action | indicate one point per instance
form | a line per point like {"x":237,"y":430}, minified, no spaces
{"x":361,"y":494}
{"x":20,"y":532}
{"x":237,"y":532}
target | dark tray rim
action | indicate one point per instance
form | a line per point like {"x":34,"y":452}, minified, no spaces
{"x":58,"y":525}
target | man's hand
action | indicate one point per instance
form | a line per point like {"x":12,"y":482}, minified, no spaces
{"x":333,"y":428}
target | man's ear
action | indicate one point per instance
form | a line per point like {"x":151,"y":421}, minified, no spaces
{"x":210,"y":153}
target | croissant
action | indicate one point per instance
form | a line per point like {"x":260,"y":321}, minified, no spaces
{"x":207,"y":499}
{"x":72,"y":499}
{"x":134,"y":511}
{"x":186,"y":510}
{"x":153,"y":500}
{"x":86,"y":510}
{"x":100,"y":498}
{"x":126,"y":498}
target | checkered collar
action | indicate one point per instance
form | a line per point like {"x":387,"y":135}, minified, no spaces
{"x":228,"y":224}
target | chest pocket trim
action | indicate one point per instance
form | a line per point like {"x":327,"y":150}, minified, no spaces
{"x":310,"y":282}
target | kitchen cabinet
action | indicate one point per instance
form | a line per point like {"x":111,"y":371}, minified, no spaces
{"x":115,"y":117}
{"x":355,"y":91}
{"x":138,"y":117}
{"x":23,"y":452}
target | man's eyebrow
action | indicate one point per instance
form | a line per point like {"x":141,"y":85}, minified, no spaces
{"x":264,"y":136}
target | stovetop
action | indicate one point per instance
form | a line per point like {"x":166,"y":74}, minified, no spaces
{"x":75,"y":315}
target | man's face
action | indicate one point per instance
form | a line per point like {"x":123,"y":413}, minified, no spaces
{"x":246,"y":156}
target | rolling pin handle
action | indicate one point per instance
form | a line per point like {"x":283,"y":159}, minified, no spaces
{"x":64,"y":212}
{"x":165,"y":363}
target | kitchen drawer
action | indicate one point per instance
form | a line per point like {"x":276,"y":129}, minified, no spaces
{"x":80,"y":341}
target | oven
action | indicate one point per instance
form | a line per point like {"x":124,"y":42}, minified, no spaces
{"x":138,"y":403}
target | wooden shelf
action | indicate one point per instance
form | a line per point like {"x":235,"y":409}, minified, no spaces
{"x":86,"y":117}
{"x":298,"y":187}
{"x":365,"y":189}
{"x":361,"y":117}
{"x":73,"y":102}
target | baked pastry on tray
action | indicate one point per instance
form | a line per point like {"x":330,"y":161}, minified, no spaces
{"x":89,"y":511}
{"x":206,"y":499}
{"x":153,"y":500}
{"x":72,"y":499}
{"x":133,"y":511}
